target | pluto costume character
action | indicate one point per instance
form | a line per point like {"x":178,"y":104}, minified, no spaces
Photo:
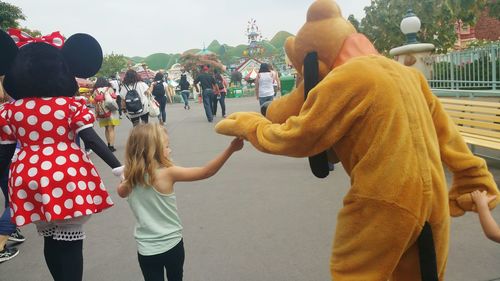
{"x":391,"y":135}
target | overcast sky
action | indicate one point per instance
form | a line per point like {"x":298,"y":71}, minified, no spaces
{"x":144,"y":27}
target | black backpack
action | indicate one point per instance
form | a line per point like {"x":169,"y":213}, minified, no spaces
{"x":133,"y":102}
{"x":158,"y":90}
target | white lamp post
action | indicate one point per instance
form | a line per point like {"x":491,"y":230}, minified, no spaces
{"x":410,"y":25}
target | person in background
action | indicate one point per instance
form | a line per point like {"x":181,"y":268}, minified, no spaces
{"x":159,"y":90}
{"x":102,"y":88}
{"x":132,"y":81}
{"x":276,"y":81}
{"x":184,"y":87}
{"x":208,"y":85}
{"x":264,"y":90}
{"x":148,"y":185}
{"x":220,"y":94}
{"x":490,"y":227}
{"x":170,"y":88}
{"x":8,"y":230}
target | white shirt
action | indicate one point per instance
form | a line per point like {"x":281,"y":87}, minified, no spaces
{"x":266,"y":88}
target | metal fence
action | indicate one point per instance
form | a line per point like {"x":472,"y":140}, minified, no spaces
{"x":472,"y":69}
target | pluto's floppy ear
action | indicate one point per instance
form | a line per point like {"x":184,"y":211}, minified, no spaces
{"x":8,"y":52}
{"x":83,"y":55}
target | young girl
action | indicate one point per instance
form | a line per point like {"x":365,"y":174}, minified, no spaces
{"x":490,"y":227}
{"x":149,"y":187}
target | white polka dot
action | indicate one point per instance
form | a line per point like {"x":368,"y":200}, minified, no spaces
{"x":21,"y":131}
{"x":89,"y":199}
{"x":44,"y":181}
{"x":32,"y":172}
{"x":32,"y":120}
{"x":68,"y":204}
{"x":22,"y":194}
{"x":87,"y":117}
{"x":47,"y":126}
{"x":93,"y":172}
{"x":19,"y":168}
{"x":101,"y":186}
{"x":71,"y":186}
{"x":48,"y":151}
{"x":11,"y":212}
{"x":18,"y":181}
{"x":48,"y":216}
{"x":71,"y":135}
{"x":61,"y":101}
{"x":73,"y":158}
{"x":97,"y":200}
{"x":20,"y":220}
{"x":91,"y":185}
{"x":61,"y":160}
{"x":18,"y":102}
{"x":33,"y":185}
{"x":83,"y":171}
{"x":46,"y":165}
{"x":72,"y":171}
{"x":34,"y":159}
{"x":80,"y":124}
{"x":58,"y":176}
{"x":35,"y":217}
{"x":45,"y":199}
{"x":7,"y":130}
{"x":88,"y":211}
{"x":30,"y":104}
{"x":74,"y":146}
{"x":15,"y":207}
{"x":82,"y":185}
{"x":61,"y":130}
{"x":38,"y":197}
{"x":48,"y":140}
{"x":59,"y":115}
{"x":46,"y":98}
{"x":28,"y":206}
{"x":45,"y":109}
{"x":34,"y":136}
{"x":18,"y":116}
{"x":62,"y":147}
{"x":57,"y":192}
{"x":77,"y":214}
{"x":57,"y":209}
{"x":79,"y":200}
{"x":21,"y":155}
{"x":35,"y":148}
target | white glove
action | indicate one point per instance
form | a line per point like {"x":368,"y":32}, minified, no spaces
{"x":118,"y":172}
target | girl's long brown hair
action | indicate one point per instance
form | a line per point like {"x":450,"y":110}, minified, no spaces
{"x":144,"y":154}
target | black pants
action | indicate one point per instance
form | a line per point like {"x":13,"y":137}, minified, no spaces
{"x":172,"y":261}
{"x":221,"y":99}
{"x":64,"y":259}
{"x":144,"y":118}
{"x":163,"y":108}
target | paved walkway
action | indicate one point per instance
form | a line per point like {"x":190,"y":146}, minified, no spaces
{"x":261,"y":217}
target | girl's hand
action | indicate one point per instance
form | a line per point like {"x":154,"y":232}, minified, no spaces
{"x":236,"y":144}
{"x":482,"y":199}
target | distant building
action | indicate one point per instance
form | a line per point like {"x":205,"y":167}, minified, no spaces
{"x":486,"y":28}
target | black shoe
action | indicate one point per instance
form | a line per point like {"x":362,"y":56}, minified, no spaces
{"x":8,"y":253}
{"x":189,"y":107}
{"x":17,"y":236}
{"x":112,"y":148}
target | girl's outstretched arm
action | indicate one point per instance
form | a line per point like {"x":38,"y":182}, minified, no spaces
{"x":490,"y":227}
{"x":177,"y":173}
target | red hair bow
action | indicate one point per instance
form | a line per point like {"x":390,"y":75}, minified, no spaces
{"x":22,"y":38}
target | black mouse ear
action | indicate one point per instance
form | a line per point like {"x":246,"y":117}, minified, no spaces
{"x":8,"y":53}
{"x":83,"y":55}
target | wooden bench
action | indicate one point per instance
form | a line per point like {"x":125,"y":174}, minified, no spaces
{"x":478,"y":121}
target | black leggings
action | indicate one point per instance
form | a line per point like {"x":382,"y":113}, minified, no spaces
{"x":64,"y":259}
{"x":144,"y":118}
{"x":152,"y":267}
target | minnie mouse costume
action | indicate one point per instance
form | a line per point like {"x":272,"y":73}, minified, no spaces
{"x":52,"y":182}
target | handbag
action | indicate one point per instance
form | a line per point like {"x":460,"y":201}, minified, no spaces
{"x":110,"y":101}
{"x":101,"y":111}
{"x":154,"y":107}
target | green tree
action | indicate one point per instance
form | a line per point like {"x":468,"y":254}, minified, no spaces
{"x":438,"y":17}
{"x":9,"y":15}
{"x":112,"y":64}
{"x":193,"y":63}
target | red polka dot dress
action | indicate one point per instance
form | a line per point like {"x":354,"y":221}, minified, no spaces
{"x":52,"y":178}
